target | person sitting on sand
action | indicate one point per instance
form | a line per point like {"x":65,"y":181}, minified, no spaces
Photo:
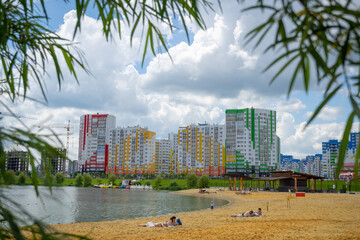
{"x":258,"y":213}
{"x":172,"y":222}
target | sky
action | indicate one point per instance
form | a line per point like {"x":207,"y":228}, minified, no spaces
{"x":213,"y":72}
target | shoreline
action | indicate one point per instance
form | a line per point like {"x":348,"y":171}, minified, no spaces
{"x":316,"y":216}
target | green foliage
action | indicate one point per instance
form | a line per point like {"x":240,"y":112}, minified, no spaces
{"x":49,"y":179}
{"x":147,"y":183}
{"x":204,"y":182}
{"x":59,"y":178}
{"x":21,"y":178}
{"x":145,"y":175}
{"x":157,"y":183}
{"x":8,"y":177}
{"x":79,"y":180}
{"x":183,"y":175}
{"x":192,"y":180}
{"x":87,"y":180}
{"x":137,"y":183}
{"x":151,"y":175}
{"x":112,"y":179}
{"x":98,"y":180}
{"x":316,"y":38}
{"x":128,"y":176}
{"x":174,"y":186}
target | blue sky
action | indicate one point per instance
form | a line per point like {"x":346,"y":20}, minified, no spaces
{"x":214,"y":72}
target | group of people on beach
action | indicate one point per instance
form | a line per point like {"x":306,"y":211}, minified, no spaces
{"x":250,"y":213}
{"x":175,"y":222}
{"x":172,"y":223}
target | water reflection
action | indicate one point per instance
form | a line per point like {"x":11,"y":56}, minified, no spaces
{"x":71,"y":204}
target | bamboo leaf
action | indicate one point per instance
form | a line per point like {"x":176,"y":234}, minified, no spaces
{"x":344,"y":143}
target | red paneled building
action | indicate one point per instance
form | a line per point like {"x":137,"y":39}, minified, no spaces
{"x":94,"y":141}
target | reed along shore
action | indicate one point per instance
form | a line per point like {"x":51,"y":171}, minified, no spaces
{"x":315,"y":216}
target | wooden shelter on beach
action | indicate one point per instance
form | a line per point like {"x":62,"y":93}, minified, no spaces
{"x":288,"y":180}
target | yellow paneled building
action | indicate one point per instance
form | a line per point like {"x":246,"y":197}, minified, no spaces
{"x":132,"y":151}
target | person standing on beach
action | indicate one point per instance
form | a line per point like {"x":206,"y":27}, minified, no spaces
{"x":212,"y":205}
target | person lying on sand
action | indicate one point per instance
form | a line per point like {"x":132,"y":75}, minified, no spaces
{"x":250,"y":213}
{"x":172,"y":223}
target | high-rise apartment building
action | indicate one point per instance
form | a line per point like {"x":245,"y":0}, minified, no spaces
{"x":330,"y":154}
{"x":162,"y":156}
{"x":286,"y":162}
{"x":17,"y":161}
{"x":201,"y":149}
{"x":252,"y":146}
{"x":132,"y":151}
{"x":94,"y":134}
{"x":313,"y":164}
{"x":173,"y":158}
{"x":73,"y":168}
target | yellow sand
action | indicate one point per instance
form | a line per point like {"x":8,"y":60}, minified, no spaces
{"x":316,"y":216}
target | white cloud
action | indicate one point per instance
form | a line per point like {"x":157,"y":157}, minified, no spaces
{"x":291,"y":105}
{"x":328,"y":113}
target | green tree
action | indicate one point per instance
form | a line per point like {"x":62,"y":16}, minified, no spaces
{"x":87,"y":180}
{"x":183,"y":174}
{"x":59,"y":178}
{"x":79,"y":180}
{"x":21,"y":178}
{"x":174,"y":186}
{"x":8,"y":177}
{"x":204,"y":182}
{"x":49,"y":179}
{"x":98,"y":180}
{"x":147,"y":183}
{"x":318,"y":41}
{"x":157,"y":183}
{"x":192,"y":180}
{"x":112,"y":179}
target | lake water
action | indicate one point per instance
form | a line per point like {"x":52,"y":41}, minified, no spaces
{"x":72,"y":204}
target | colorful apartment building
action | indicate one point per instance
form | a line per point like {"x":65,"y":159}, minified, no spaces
{"x":201,"y":149}
{"x":132,"y":150}
{"x":94,"y":132}
{"x":312,"y":165}
{"x":286,"y":162}
{"x":252,"y":146}
{"x":330,"y":154}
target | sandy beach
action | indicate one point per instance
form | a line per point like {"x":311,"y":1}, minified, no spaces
{"x":315,"y":216}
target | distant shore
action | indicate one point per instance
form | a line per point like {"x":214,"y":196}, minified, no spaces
{"x":315,"y":216}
